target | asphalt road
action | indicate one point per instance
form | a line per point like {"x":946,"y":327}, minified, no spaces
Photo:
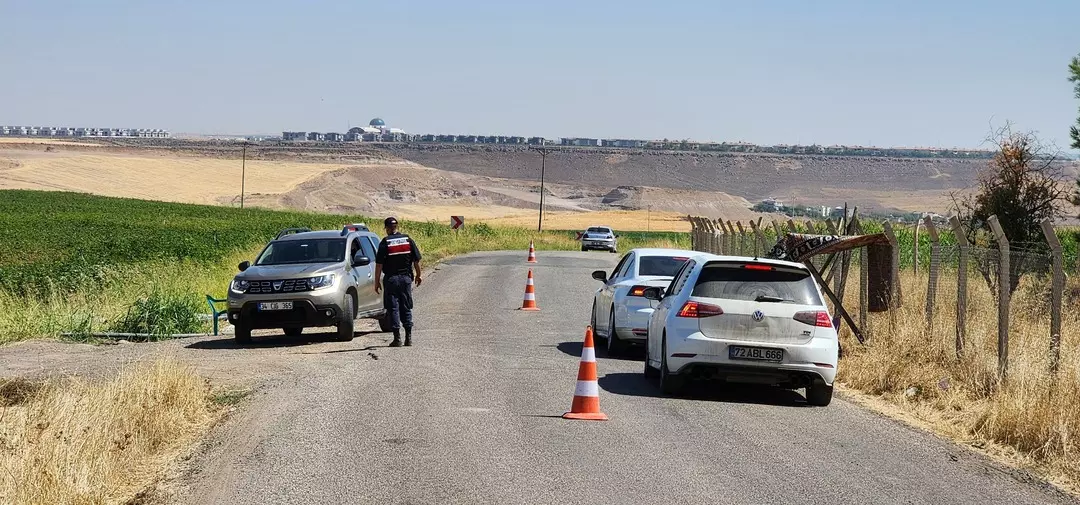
{"x":471,"y":415}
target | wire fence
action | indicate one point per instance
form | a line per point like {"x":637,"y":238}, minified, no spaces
{"x":989,"y":287}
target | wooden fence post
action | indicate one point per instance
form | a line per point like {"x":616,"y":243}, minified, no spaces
{"x":935,"y":267}
{"x":896,"y":298}
{"x":742,"y":238}
{"x":810,"y":228}
{"x":693,"y":233}
{"x":714,"y":238}
{"x":733,"y":241}
{"x":1004,"y":282}
{"x":961,"y":285}
{"x":1057,"y":286}
{"x":792,"y":227}
{"x":915,"y":248}
{"x":835,"y":273}
{"x":779,"y":230}
{"x":760,"y":240}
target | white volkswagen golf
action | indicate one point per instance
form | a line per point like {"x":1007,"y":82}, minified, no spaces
{"x":742,"y":320}
{"x":620,"y":311}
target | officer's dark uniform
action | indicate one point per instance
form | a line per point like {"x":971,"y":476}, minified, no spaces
{"x":397,"y":253}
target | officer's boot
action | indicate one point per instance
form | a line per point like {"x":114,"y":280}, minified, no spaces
{"x":397,"y":339}
{"x":408,"y":337}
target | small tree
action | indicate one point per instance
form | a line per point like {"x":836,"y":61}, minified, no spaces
{"x":1074,"y":77}
{"x":1022,"y":187}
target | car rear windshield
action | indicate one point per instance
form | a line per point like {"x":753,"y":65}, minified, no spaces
{"x":666,"y":266}
{"x":598,"y":230}
{"x":291,"y":252}
{"x":734,"y":281}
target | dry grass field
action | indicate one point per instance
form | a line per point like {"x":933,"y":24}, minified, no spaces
{"x":1031,"y":420}
{"x":172,"y":179}
{"x":74,"y":441}
{"x":622,"y":220}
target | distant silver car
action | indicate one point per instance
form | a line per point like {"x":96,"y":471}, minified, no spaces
{"x":600,"y":238}
{"x":305,"y":279}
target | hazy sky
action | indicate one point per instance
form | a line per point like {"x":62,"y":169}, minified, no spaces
{"x":779,"y":71}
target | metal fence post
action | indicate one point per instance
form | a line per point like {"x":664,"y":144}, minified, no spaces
{"x":961,"y":285}
{"x":835,"y":273}
{"x":896,"y":298}
{"x":810,"y":228}
{"x":1057,"y":286}
{"x":779,"y":230}
{"x":935,"y":267}
{"x":714,"y":239}
{"x":864,"y":281}
{"x":1004,"y":282}
{"x":792,"y":227}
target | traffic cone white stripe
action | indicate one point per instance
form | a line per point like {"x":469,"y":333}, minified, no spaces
{"x":587,"y":388}
{"x":530,"y":296}
{"x":588,"y":355}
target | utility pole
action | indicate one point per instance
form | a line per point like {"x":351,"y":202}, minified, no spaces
{"x":543,"y":165}
{"x":243,"y":174}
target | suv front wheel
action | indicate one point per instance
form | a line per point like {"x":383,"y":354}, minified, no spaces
{"x":348,"y":320}
{"x":243,"y":334}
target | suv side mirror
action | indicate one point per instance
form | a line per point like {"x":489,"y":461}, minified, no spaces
{"x":600,"y":275}
{"x":244,"y":265}
{"x":653,"y":293}
{"x":359,"y":260}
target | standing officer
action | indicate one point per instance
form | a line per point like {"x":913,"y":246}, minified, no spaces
{"x":397,"y":257}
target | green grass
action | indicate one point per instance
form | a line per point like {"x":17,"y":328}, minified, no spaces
{"x":80,"y":263}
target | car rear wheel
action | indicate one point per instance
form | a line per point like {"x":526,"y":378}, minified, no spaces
{"x":614,"y":345}
{"x":670,"y":384}
{"x":293,"y":332}
{"x":819,"y":394}
{"x":243,"y":334}
{"x":346,"y":325}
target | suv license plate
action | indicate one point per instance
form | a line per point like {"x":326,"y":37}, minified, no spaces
{"x":755,"y":353}
{"x":275,"y":306}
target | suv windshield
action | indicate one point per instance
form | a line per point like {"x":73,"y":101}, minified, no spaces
{"x":288,"y":252}
{"x":733,"y":281}
{"x":666,"y":266}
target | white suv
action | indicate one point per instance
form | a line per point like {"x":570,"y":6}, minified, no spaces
{"x":743,"y":320}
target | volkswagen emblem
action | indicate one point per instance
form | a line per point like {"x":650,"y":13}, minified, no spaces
{"x":758,"y":316}
{"x":277,"y":285}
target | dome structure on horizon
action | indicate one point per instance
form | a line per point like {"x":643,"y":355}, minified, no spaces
{"x":377,"y":122}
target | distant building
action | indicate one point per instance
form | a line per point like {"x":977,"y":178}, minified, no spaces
{"x":580,"y":142}
{"x":334,"y":137}
{"x":293,"y":136}
{"x":315,"y":137}
{"x":535,"y":141}
{"x":623,"y":143}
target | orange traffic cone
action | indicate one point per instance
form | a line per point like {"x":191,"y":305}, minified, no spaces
{"x":587,"y":393}
{"x":530,"y":294}
{"x":532,"y":253}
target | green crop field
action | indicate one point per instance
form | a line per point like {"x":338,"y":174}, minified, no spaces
{"x":78,"y":263}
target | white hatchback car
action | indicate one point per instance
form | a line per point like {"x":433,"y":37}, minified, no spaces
{"x":620,"y":311}
{"x":743,"y":320}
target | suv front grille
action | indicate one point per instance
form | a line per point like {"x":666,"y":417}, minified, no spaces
{"x":285,"y":286}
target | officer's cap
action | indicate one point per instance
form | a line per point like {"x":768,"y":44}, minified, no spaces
{"x":390,"y":221}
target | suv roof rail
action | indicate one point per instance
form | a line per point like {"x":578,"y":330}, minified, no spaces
{"x":290,"y":231}
{"x":353,"y":227}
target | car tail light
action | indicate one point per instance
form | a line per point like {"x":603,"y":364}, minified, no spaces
{"x":819,"y":318}
{"x":698,"y":309}
{"x":763,"y":268}
{"x":637,"y":291}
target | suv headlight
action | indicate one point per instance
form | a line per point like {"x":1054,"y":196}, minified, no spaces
{"x":240,"y":286}
{"x":322,"y":281}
